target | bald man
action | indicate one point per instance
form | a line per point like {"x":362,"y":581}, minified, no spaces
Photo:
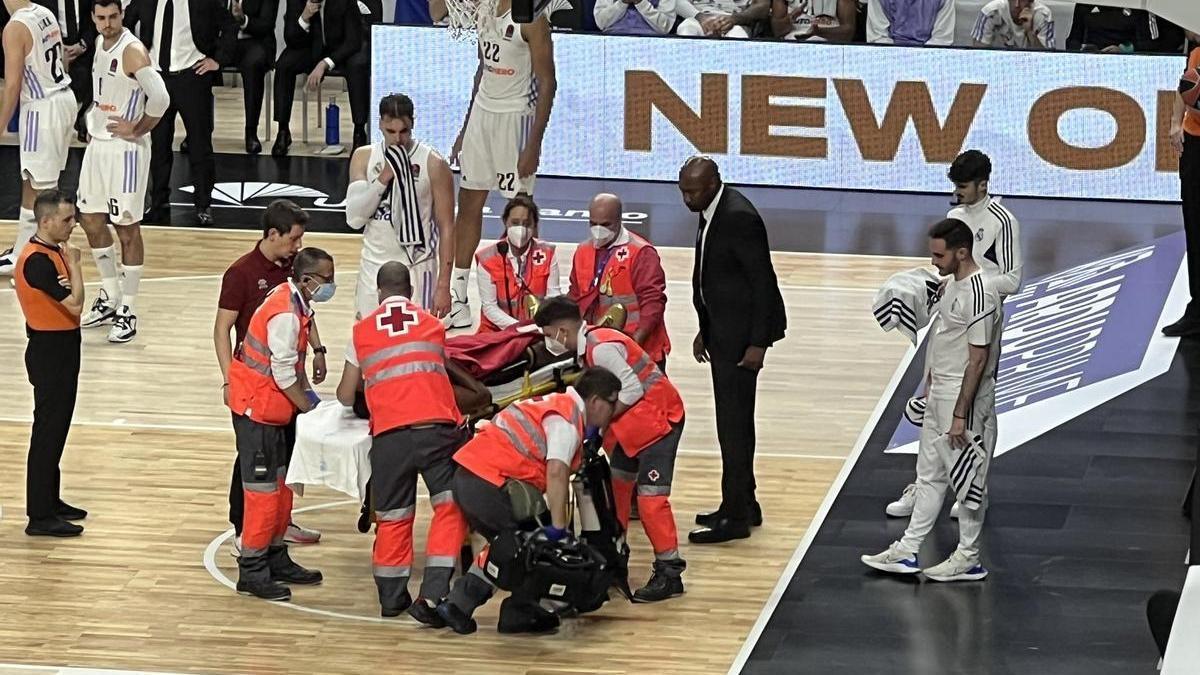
{"x":741,"y":313}
{"x":616,"y":266}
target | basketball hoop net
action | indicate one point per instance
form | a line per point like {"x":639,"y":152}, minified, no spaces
{"x":466,"y":15}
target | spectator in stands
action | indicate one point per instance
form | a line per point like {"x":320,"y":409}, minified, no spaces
{"x":79,"y":42}
{"x":255,"y":55}
{"x":319,"y":37}
{"x":1014,"y":24}
{"x":814,"y":20}
{"x":635,"y":17}
{"x":910,"y":22}
{"x":1097,"y":28}
{"x":721,"y":18}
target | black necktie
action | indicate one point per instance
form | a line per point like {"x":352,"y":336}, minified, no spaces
{"x":318,"y":31}
{"x":700,"y":233}
{"x":164,"y":37}
{"x":72,"y":22}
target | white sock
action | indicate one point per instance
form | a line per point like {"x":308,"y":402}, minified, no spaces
{"x":106,"y":264}
{"x":458,"y":283}
{"x":131,"y":278}
{"x":26,"y":228}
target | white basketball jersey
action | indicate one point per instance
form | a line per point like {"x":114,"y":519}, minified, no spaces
{"x":381,"y":241}
{"x":113,"y":92}
{"x":507,"y":84}
{"x":45,"y":66}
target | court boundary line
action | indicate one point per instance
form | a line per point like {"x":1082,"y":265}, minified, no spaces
{"x":83,"y":670}
{"x":835,"y":489}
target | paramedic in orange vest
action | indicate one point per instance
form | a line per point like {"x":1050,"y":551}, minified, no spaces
{"x":516,"y":269}
{"x":643,"y":438}
{"x":50,"y":291}
{"x":538,"y":442}
{"x":617,"y":266}
{"x":398,"y":354}
{"x":267,"y":388}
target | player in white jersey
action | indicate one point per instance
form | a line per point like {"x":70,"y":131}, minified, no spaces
{"x":35,"y":72}
{"x":129,"y":97}
{"x":814,"y":20}
{"x":997,"y":251}
{"x":958,"y":432}
{"x":500,"y":143}
{"x":401,"y":194}
{"x":720,"y":18}
{"x":1015,"y":24}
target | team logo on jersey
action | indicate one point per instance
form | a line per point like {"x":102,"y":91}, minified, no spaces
{"x":262,"y":284}
{"x":112,"y":67}
{"x":508,"y":32}
{"x":539,"y":257}
{"x":979,"y":235}
{"x":622,"y":254}
{"x":416,"y":170}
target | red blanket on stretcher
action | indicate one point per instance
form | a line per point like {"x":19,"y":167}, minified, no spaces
{"x":485,"y":353}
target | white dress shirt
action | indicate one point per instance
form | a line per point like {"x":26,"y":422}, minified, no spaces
{"x":283,"y":332}
{"x":184,"y":53}
{"x":488,"y":293}
{"x":562,"y":440}
{"x":707,"y":214}
{"x":612,"y":357}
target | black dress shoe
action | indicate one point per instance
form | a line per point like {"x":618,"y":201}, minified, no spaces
{"x":68,"y":512}
{"x":52,"y":527}
{"x":1184,"y":327}
{"x":707,"y":519}
{"x":283,"y":140}
{"x":426,"y":612}
{"x":267,"y":590}
{"x":183,"y":147}
{"x":456,"y":619}
{"x":721,"y":531}
{"x":287,"y":571}
{"x":204,"y":217}
{"x":404,"y":602}
{"x":253,"y":147}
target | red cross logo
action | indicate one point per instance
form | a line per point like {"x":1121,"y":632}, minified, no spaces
{"x":539,"y":257}
{"x":396,"y":319}
{"x":622,"y":254}
{"x":653,"y":475}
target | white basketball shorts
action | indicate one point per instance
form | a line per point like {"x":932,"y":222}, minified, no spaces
{"x":113,"y":179}
{"x":45,"y":130}
{"x":491,"y":145}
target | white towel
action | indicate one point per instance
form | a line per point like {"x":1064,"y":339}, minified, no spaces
{"x":914,"y":410}
{"x":906,"y":300}
{"x":968,"y":473}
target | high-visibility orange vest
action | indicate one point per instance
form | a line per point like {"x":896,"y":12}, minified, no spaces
{"x":41,"y":311}
{"x":512,"y":291}
{"x":252,"y":388}
{"x":514,"y":444}
{"x":651,"y":417}
{"x":615,"y":286}
{"x":401,"y":351}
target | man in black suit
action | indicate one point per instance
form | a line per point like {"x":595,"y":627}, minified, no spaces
{"x":79,"y":42}
{"x":741,"y":313}
{"x":321,"y":36}
{"x":189,"y":42}
{"x":254,"y":56}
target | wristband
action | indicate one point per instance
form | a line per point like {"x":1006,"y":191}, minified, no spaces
{"x":320,"y":350}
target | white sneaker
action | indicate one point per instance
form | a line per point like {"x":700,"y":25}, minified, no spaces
{"x":236,"y":549}
{"x":8,"y":263}
{"x":459,"y":316}
{"x":102,"y":313}
{"x":893,"y":560}
{"x":299,"y":535}
{"x":903,"y":507}
{"x":954,"y":509}
{"x":958,"y":567}
{"x":124,"y":327}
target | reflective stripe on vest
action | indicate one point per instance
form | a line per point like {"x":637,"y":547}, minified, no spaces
{"x":512,"y":421}
{"x":434,"y":350}
{"x":404,"y":369}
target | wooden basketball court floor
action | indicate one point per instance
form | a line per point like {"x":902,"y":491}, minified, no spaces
{"x":147,"y":586}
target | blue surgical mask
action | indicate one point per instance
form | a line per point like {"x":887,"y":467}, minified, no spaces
{"x":324,"y":292}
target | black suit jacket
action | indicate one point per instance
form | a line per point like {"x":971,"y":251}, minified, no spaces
{"x":344,"y":31}
{"x":741,"y":303}
{"x":262,"y":16}
{"x":213,"y":28}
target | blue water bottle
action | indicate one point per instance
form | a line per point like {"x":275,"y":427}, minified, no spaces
{"x":333,"y":122}
{"x":12,"y":124}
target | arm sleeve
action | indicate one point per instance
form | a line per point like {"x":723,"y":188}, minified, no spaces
{"x":943,"y":25}
{"x":282,"y":332}
{"x":1008,"y":255}
{"x":686,"y":9}
{"x":362,"y":198}
{"x":878,"y":24}
{"x":754,"y":256}
{"x":488,"y":302}
{"x":554,"y":283}
{"x":661,"y":18}
{"x":607,"y":12}
{"x":650,"y":286}
{"x":304,"y":25}
{"x":562,"y":441}
{"x":41,"y":274}
{"x":611,"y":357}
{"x":157,"y":98}
{"x":233,"y":291}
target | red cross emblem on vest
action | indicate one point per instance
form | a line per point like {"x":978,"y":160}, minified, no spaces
{"x":622,"y":254}
{"x":396,"y":319}
{"x":539,"y":257}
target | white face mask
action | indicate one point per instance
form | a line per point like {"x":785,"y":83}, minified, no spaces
{"x":519,"y":235}
{"x":602,"y":235}
{"x":555,"y":347}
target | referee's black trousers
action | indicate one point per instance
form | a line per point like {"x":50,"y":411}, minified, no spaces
{"x":52,"y":362}
{"x":1189,"y":184}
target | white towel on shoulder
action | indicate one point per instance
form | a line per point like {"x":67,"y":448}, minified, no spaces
{"x":906,"y":300}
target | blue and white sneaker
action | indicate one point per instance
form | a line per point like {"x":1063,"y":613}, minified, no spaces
{"x":958,"y":567}
{"x":893,"y":560}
